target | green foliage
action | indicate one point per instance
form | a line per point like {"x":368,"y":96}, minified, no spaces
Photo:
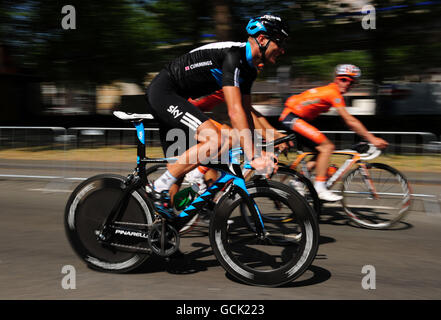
{"x":321,"y":67}
{"x":125,"y":39}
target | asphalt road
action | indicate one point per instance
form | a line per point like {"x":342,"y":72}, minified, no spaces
{"x":34,"y":250}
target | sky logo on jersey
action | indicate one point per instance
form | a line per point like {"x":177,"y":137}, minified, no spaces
{"x":174,"y":111}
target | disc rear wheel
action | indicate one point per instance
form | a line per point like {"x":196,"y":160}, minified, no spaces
{"x":86,"y":211}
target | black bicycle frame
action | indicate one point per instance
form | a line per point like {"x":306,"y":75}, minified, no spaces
{"x":229,"y":174}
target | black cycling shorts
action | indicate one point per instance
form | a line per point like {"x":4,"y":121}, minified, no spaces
{"x":301,"y":141}
{"x":173,"y":112}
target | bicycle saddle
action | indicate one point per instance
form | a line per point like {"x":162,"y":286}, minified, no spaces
{"x":132,"y":116}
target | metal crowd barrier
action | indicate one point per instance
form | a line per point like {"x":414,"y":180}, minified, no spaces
{"x":96,"y":139}
{"x":19,"y":145}
{"x":77,"y":165}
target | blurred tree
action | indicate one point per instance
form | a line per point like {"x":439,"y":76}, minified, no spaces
{"x":180,"y":21}
{"x":125,"y":39}
{"x":111,"y":41}
{"x":222,"y":20}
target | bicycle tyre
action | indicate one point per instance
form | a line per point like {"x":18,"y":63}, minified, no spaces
{"x":290,"y":255}
{"x":309,"y":191}
{"x":86,"y":210}
{"x":389,"y":183}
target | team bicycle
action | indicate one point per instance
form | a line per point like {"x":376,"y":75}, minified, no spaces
{"x":112,"y":225}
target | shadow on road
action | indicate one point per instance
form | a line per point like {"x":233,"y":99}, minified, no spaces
{"x":337,"y":217}
{"x":319,"y":275}
{"x":325,"y":240}
{"x":203,"y":258}
{"x":180,"y":263}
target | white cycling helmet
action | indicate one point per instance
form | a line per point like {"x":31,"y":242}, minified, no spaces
{"x":347,"y":70}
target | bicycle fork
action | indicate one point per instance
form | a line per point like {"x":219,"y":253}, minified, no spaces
{"x":240,"y":188}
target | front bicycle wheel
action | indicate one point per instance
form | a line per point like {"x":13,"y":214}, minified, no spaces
{"x":87,"y":209}
{"x":377,"y":196}
{"x":288,"y":248}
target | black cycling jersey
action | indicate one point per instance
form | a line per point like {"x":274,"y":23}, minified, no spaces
{"x":195,"y":74}
{"x":208,"y":68}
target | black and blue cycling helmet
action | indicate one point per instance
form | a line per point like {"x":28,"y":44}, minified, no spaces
{"x":271,"y":26}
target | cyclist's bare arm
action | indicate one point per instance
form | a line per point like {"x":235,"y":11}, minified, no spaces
{"x":260,"y":122}
{"x":355,"y":125}
{"x":240,"y":120}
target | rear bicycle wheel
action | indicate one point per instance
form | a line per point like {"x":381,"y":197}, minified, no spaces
{"x":86,"y":210}
{"x":382,"y":208}
{"x":289,"y":247}
{"x":296,"y":181}
{"x":300,"y":183}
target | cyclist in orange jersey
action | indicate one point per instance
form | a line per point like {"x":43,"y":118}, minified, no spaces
{"x":308,"y":105}
{"x":207,"y":103}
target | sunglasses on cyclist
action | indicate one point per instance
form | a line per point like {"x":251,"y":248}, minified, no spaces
{"x":281,"y":43}
{"x":346,"y":79}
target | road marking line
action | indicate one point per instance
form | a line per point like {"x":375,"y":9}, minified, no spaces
{"x":38,"y":177}
{"x":27,"y":176}
{"x":49,"y":190}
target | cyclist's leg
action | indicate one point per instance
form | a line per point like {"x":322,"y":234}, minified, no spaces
{"x":175,"y":112}
{"x":211,"y":176}
{"x":202,"y":175}
{"x":192,"y":127}
{"x":324,"y":147}
{"x":174,"y":189}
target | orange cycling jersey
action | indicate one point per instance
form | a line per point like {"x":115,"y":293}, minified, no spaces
{"x":209,"y":102}
{"x":310,"y":103}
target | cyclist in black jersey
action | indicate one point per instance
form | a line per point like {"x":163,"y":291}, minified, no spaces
{"x":231,"y":66}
